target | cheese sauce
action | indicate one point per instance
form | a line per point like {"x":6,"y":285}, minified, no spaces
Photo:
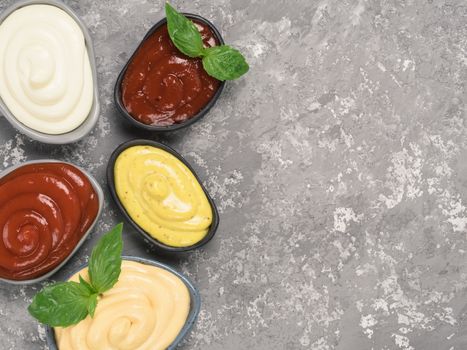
{"x":145,"y":310}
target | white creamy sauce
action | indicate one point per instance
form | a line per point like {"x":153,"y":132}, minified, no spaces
{"x":45,"y":73}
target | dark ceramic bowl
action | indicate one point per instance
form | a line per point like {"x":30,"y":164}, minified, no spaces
{"x":160,"y":128}
{"x":100,"y":198}
{"x":90,"y":122}
{"x":195,"y":303}
{"x":159,"y":245}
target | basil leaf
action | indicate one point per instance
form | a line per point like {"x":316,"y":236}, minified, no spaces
{"x":66,"y":303}
{"x":90,"y":288}
{"x":183,"y":33}
{"x":224,"y":62}
{"x":221,"y":62}
{"x":92,"y":304}
{"x":61,"y":304}
{"x":106,"y":260}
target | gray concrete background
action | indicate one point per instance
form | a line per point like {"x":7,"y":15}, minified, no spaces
{"x":339,"y":165}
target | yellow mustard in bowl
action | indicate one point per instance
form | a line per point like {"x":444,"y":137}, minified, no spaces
{"x":162,"y":196}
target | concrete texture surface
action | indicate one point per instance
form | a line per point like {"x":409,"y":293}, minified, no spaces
{"x":339,"y":165}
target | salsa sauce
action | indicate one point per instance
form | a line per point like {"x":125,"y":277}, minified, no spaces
{"x":162,"y":86}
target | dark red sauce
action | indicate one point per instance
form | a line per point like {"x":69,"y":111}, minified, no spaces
{"x":45,"y":209}
{"x":162,"y":86}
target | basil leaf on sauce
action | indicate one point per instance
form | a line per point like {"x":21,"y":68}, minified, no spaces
{"x":66,"y":303}
{"x":90,"y":288}
{"x":106,"y":260}
{"x":221,"y":62}
{"x":61,"y":304}
{"x":224,"y":62}
{"x":92,"y":303}
{"x":183,"y":33}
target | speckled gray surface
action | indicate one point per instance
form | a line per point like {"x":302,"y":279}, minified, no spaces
{"x":339,"y":165}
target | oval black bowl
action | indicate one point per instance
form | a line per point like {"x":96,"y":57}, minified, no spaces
{"x":159,"y":128}
{"x":159,"y":245}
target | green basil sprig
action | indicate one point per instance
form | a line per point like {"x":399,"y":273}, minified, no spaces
{"x":63,"y":304}
{"x":221,"y":62}
{"x":106,"y":260}
{"x":183,"y":33}
{"x":224,"y":62}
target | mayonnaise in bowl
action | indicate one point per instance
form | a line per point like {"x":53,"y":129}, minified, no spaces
{"x":46,"y":79}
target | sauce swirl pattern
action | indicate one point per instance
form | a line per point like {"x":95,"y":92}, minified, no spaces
{"x":145,"y":310}
{"x":45,"y":73}
{"x":45,"y":209}
{"x":162,"y":196}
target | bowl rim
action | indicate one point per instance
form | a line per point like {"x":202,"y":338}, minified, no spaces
{"x":195,"y":301}
{"x":90,"y":122}
{"x":167,"y":128}
{"x":100,"y":199}
{"x":111,"y":184}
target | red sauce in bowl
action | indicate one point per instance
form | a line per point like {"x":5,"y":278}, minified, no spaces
{"x":162,"y":86}
{"x":45,"y":209}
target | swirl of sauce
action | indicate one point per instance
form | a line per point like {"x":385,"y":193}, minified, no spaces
{"x":45,"y":73}
{"x":162,"y":86}
{"x":162,"y":196}
{"x":45,"y":209}
{"x":145,"y":310}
